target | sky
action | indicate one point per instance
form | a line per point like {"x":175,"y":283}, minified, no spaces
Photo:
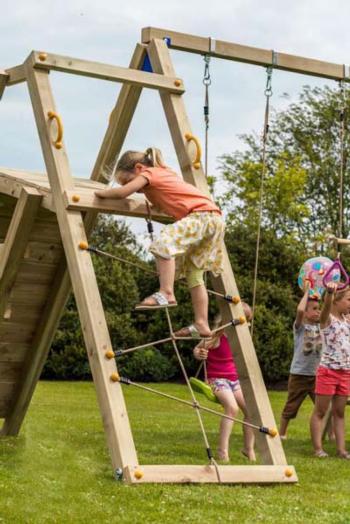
{"x":108,"y":30}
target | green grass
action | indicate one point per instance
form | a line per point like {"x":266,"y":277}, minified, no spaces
{"x":58,"y":469}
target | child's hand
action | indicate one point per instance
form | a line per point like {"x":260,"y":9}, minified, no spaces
{"x":100,"y":193}
{"x":331,"y":287}
{"x":200,"y":353}
{"x":306,"y":285}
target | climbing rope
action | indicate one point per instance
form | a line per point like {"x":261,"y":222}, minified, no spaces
{"x":272,"y":432}
{"x":268,"y":94}
{"x":85,"y":246}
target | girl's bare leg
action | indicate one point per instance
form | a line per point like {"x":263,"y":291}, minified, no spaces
{"x":248,"y":432}
{"x":338,"y":411}
{"x":321,"y":405}
{"x":199,"y":296}
{"x":228,"y":401}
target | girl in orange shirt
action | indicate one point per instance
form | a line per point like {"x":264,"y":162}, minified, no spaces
{"x":188,"y":247}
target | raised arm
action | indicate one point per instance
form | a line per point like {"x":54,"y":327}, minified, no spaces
{"x":123,"y":191}
{"x":302,"y":305}
{"x":327,"y":304}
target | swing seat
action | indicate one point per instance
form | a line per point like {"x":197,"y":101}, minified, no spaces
{"x":202,"y":387}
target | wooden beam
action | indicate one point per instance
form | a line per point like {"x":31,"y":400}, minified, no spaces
{"x":120,"y":120}
{"x":109,"y":72}
{"x":3,"y":81}
{"x":83,"y":278}
{"x":250,"y":55}
{"x":133,"y":207}
{"x":16,"y":75}
{"x":251,"y":378}
{"x":16,"y":242}
{"x":204,"y":474}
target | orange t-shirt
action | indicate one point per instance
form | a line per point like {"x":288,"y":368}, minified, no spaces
{"x":168,"y":192}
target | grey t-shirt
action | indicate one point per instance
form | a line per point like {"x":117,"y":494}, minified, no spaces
{"x":307,"y":349}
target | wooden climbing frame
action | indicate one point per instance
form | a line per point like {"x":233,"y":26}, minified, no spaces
{"x":45,"y":218}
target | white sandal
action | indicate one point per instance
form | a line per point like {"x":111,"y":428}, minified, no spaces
{"x":160,"y":301}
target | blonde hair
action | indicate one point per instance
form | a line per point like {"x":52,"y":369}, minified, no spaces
{"x":340,"y":294}
{"x":152,"y":157}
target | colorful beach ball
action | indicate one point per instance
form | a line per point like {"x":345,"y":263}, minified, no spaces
{"x":314,"y":269}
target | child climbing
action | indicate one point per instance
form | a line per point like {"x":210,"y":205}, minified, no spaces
{"x":306,"y":358}
{"x":333,"y":374}
{"x":186,"y":248}
{"x":223,"y":378}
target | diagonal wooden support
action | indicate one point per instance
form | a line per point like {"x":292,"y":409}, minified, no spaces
{"x":16,"y":242}
{"x":120,"y":120}
{"x":251,"y":378}
{"x":95,"y":331}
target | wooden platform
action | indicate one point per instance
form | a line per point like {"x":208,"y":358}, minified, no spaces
{"x":23,"y":307}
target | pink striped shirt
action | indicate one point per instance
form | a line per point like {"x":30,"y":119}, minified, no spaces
{"x":220,"y":363}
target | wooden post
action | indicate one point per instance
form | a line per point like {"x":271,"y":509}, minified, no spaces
{"x":95,"y":331}
{"x":252,"y":382}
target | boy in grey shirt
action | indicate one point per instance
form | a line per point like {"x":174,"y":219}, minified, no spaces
{"x":306,"y":358}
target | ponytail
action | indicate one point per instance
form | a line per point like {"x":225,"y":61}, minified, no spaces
{"x":155,"y":157}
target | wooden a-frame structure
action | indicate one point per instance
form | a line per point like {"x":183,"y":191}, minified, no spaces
{"x":43,"y":219}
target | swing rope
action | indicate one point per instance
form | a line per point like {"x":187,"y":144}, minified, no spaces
{"x":342,"y":110}
{"x":268,"y":94}
{"x":206,"y":83}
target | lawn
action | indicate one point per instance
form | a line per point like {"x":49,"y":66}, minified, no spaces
{"x":58,"y":469}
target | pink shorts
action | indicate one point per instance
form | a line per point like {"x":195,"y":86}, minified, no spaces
{"x":332,"y":382}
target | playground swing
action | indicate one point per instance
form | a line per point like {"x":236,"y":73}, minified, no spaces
{"x":200,"y":385}
{"x":51,"y":198}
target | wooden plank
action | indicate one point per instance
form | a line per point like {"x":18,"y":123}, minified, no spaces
{"x":109,"y":72}
{"x":6,"y":394}
{"x":251,"y":378}
{"x":34,"y":272}
{"x":16,"y":332}
{"x":250,"y":55}
{"x":16,"y":241}
{"x":134,"y":207}
{"x":37,"y":353}
{"x":3,"y":81}
{"x":95,"y":331}
{"x":13,"y":187}
{"x":207,"y":474}
{"x":16,"y":75}
{"x":120,"y":120}
{"x":13,"y":351}
{"x":10,"y":371}
{"x":43,"y":252}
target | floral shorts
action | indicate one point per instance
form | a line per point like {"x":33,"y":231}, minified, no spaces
{"x":220,"y":384}
{"x":196,"y":242}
